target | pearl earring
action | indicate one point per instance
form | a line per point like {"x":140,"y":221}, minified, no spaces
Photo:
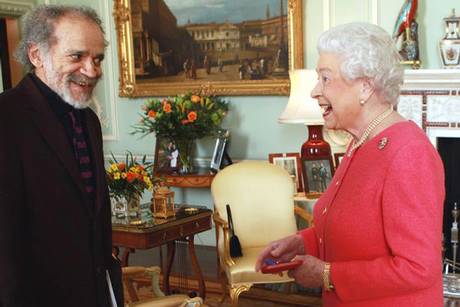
{"x":362,"y":102}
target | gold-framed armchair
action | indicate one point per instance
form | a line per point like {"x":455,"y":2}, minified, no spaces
{"x":260,"y":195}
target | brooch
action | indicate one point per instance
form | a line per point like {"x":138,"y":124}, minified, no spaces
{"x":382,"y":143}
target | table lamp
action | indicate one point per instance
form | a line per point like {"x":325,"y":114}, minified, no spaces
{"x":303,"y":109}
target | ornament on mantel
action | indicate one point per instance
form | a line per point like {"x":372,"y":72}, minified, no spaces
{"x":450,"y":44}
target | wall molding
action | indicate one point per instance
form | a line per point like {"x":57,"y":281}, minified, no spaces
{"x":109,"y":75}
{"x":14,"y":8}
{"x":329,"y":13}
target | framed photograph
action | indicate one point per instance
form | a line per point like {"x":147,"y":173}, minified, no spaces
{"x":317,"y":174}
{"x":166,"y":157}
{"x":290,"y":162}
{"x":229,"y":47}
{"x":219,"y":150}
{"x":338,"y":158}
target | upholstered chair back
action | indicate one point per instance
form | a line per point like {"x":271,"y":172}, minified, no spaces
{"x":260,"y":196}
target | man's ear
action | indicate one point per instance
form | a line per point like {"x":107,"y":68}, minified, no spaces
{"x":35,"y":56}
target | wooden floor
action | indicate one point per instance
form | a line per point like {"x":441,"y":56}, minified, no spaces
{"x":182,"y":278}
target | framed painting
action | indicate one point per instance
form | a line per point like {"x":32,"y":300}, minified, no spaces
{"x":317,"y":173}
{"x":166,"y":159}
{"x":290,"y":162}
{"x":232,"y":47}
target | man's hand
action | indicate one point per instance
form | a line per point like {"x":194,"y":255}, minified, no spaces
{"x":282,"y":250}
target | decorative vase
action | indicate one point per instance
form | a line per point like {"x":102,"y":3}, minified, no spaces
{"x":450,"y":44}
{"x":185,"y":147}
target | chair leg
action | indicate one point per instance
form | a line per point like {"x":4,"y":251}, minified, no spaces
{"x":235,"y":292}
{"x":223,"y":285}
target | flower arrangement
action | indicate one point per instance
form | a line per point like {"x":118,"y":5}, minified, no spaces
{"x":182,"y":117}
{"x":129,"y":179}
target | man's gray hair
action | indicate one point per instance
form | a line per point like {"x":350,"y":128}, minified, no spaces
{"x":366,"y":51}
{"x":38,"y":27}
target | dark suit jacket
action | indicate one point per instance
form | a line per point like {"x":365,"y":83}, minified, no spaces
{"x":54,"y":244}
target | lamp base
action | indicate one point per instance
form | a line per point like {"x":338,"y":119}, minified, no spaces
{"x":315,"y":146}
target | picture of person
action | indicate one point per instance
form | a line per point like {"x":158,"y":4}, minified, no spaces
{"x":318,"y":175}
{"x":173,"y":155}
{"x":166,"y":156}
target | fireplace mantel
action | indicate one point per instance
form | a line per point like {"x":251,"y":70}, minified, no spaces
{"x":431,"y":98}
{"x":432,"y":79}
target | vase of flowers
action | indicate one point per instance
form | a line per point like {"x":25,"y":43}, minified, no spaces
{"x":183,"y":119}
{"x":127,"y":181}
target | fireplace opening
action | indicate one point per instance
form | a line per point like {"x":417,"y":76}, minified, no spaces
{"x":449,"y":150}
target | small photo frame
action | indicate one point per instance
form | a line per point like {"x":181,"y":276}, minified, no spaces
{"x":317,"y":173}
{"x":338,"y":158}
{"x":291,"y":162}
{"x":166,"y":156}
{"x":219,"y":150}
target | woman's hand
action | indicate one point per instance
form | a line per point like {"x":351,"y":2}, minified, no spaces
{"x":282,"y":250}
{"x":310,"y":273}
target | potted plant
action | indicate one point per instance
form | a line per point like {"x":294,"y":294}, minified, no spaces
{"x":127,"y":180}
{"x":182,"y":119}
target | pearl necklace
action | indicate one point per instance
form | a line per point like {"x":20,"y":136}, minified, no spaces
{"x":374,"y":123}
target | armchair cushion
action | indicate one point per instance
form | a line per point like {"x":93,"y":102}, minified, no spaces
{"x":243,"y":270}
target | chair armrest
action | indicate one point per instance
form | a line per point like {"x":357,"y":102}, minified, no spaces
{"x":131,"y":272}
{"x":223,"y":225}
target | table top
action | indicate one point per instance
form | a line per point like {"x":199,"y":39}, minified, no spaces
{"x":184,"y":213}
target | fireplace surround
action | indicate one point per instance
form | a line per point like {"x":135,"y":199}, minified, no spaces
{"x":431,"y":99}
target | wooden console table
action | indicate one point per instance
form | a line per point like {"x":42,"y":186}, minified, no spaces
{"x":157,"y":232}
{"x":200,"y":179}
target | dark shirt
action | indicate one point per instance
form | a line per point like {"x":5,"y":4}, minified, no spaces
{"x":62,"y":109}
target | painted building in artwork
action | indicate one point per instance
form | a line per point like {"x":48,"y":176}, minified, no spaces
{"x":249,"y":39}
{"x":160,"y":46}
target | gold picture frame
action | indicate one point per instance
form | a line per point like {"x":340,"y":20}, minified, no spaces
{"x":133,"y":84}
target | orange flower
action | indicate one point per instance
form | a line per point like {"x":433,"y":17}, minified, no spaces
{"x":164,"y":101}
{"x":121,"y":166}
{"x":152,"y":114}
{"x":191,"y":116}
{"x":131,"y":177}
{"x":195,"y":98}
{"x":167,"y":107}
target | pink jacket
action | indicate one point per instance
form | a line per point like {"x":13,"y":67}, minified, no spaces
{"x":380,"y":223}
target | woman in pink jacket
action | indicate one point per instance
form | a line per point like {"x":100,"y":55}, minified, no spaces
{"x":376,"y":239}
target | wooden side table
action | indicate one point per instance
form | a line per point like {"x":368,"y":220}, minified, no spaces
{"x":201,"y":179}
{"x":157,"y":232}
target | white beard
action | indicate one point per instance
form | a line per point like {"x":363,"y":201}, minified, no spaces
{"x":63,"y":91}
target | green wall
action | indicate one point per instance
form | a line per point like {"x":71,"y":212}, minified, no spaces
{"x":253,"y":120}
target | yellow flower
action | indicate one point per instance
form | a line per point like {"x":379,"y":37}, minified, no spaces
{"x":123,"y":175}
{"x":114,"y":167}
{"x":116,"y":176}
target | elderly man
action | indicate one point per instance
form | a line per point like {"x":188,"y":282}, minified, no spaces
{"x":55,"y":228}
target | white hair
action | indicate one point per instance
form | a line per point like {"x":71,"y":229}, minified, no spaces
{"x":366,"y":51}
